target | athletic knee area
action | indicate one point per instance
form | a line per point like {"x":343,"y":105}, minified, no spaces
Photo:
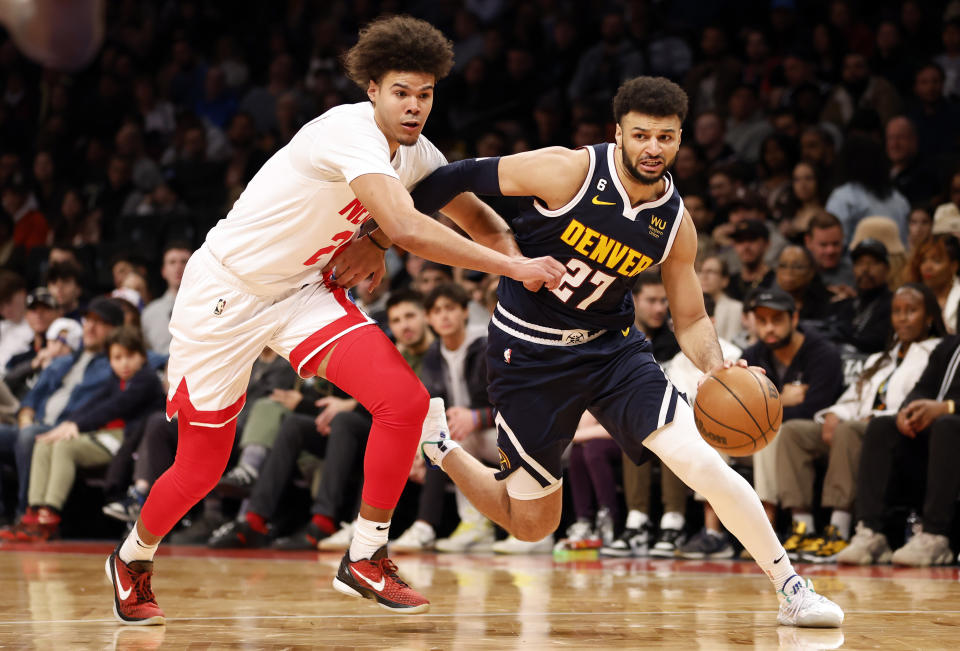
{"x":403,"y":406}
{"x":533,"y":529}
{"x":202,"y":456}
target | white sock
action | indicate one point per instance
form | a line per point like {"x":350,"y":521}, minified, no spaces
{"x":807,"y":519}
{"x":735,"y":502}
{"x":134,"y":549}
{"x":714,"y":532}
{"x":368,"y":537}
{"x":636,"y":519}
{"x":841,"y":520}
{"x":436,"y":453}
{"x":672,"y":520}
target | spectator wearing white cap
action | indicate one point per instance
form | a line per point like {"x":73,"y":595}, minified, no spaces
{"x":62,"y":337}
{"x":946,"y":219}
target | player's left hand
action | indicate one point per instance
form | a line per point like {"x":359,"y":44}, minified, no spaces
{"x":358,"y":260}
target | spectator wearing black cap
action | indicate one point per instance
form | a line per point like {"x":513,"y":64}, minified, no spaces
{"x":801,"y":363}
{"x":66,"y":385}
{"x":863,"y":321}
{"x":751,"y":239}
{"x":42,"y":310}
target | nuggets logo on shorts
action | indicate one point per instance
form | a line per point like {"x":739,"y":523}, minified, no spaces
{"x":504,"y":461}
{"x":221,"y":306}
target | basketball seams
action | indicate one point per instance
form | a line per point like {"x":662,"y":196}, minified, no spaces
{"x":766,"y":403}
{"x":753,"y":440}
{"x":760,"y":430}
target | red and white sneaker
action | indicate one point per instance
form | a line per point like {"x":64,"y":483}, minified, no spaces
{"x":133,"y":600}
{"x":376,"y":578}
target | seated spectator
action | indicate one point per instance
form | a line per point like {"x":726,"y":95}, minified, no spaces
{"x":65,"y":282}
{"x":863,"y":321}
{"x":946,"y":220}
{"x":824,"y":240}
{"x":156,"y":315}
{"x":936,"y":263}
{"x":802,"y":203}
{"x":911,"y":174}
{"x":88,"y":436}
{"x":68,"y":384}
{"x":30,"y":226}
{"x":921,"y":443}
{"x":751,"y":239}
{"x":886,"y":231}
{"x":797,"y":275}
{"x":801,"y":363}
{"x":728,"y":313}
{"x":16,"y":334}
{"x":652,"y":314}
{"x":859,"y":89}
{"x":919,"y":226}
{"x":455,"y":370}
{"x":63,"y":337}
{"x":867,"y":189}
{"x":155,"y":444}
{"x":837,"y":431}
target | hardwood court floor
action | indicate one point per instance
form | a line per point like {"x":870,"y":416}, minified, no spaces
{"x":56,"y":596}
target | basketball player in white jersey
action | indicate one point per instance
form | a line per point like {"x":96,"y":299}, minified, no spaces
{"x":267,"y":276}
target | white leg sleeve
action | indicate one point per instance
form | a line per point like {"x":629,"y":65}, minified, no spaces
{"x":700,"y":467}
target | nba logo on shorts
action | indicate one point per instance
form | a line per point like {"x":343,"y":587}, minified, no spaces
{"x":506,"y":355}
{"x":221,"y":305}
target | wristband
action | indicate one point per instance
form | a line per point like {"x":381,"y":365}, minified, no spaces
{"x":476,"y":418}
{"x":951,"y":407}
{"x":375,"y":242}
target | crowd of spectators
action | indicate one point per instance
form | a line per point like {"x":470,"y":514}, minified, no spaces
{"x":820,"y":163}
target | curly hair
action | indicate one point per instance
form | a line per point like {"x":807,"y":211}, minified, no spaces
{"x":657,"y":96}
{"x":398,"y":43}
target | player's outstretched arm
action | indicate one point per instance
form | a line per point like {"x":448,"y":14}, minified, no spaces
{"x":695,"y":333}
{"x":390,"y":204}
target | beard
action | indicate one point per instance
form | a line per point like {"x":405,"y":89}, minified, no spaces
{"x":779,"y":343}
{"x":642,"y":177}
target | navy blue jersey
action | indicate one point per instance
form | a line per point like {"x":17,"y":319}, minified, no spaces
{"x":604,"y":243}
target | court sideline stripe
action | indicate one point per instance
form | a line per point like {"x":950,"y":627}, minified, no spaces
{"x":474,"y":615}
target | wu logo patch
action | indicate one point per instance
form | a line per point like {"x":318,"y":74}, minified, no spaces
{"x":657,"y":226}
{"x":221,"y":306}
{"x":507,"y":353}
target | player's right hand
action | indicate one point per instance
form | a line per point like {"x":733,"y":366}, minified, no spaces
{"x":538,"y":272}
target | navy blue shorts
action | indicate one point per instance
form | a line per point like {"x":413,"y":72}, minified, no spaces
{"x":541,"y":391}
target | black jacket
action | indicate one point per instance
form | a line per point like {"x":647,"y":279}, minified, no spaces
{"x":433,"y":374}
{"x":142,"y":395}
{"x":941,"y":379}
{"x":817,"y":364}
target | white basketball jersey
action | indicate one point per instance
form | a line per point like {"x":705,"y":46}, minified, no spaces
{"x":299,"y":208}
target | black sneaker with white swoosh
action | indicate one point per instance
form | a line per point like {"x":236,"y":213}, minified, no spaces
{"x":376,"y":578}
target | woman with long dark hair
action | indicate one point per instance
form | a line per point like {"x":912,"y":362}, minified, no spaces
{"x":935,"y":263}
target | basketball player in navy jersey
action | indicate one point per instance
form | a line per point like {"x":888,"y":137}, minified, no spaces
{"x":607,"y":212}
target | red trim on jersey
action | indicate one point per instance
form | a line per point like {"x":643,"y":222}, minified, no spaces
{"x":180,"y":402}
{"x":310,"y":346}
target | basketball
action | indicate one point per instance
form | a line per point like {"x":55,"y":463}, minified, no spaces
{"x":738,"y":411}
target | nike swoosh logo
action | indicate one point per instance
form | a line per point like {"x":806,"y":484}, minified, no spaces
{"x":124,"y":594}
{"x":597,"y":202}
{"x":625,"y":331}
{"x":779,"y":559}
{"x":383,"y":528}
{"x":376,"y":585}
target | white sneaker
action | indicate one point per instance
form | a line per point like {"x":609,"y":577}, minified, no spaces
{"x":420,"y":537}
{"x":435,"y":433}
{"x":468,"y":537}
{"x":867,"y":547}
{"x":339,"y":540}
{"x":511,"y":545}
{"x":805,"y":608}
{"x":923,"y":550}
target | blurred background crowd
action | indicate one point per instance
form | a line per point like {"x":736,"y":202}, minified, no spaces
{"x":819,"y":161}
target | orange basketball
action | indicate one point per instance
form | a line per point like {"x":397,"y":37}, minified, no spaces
{"x":738,"y":411}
